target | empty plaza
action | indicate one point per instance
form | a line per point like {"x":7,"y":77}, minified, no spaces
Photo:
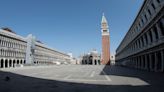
{"x":79,"y":78}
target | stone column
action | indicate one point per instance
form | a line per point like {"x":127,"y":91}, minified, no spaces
{"x":8,"y":64}
{"x":132,"y":47}
{"x":156,"y":62}
{"x":144,"y":19}
{"x":139,"y":62}
{"x":136,"y":62}
{"x":11,"y":63}
{"x":148,"y":36}
{"x":135,"y":46}
{"x":131,"y":62}
{"x":159,"y":31}
{"x":140,"y":43}
{"x":142,"y":62}
{"x":140,"y":59}
{"x":144,"y":39}
{"x":162,"y":60}
{"x":93,"y":62}
{"x":162,"y":21}
{"x":150,"y":64}
{"x":146,"y":62}
{"x":4,"y":63}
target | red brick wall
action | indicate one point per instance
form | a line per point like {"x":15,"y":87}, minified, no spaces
{"x":105,"y":50}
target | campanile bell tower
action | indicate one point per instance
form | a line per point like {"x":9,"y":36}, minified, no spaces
{"x":105,"y":57}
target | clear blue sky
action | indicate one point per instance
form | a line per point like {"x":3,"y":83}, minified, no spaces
{"x":69,"y":25}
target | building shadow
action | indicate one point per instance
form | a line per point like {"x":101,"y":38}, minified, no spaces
{"x":155,"y":80}
{"x":11,"y":82}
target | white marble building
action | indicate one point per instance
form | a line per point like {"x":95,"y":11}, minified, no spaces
{"x":92,"y":58}
{"x":143,"y":45}
{"x":16,"y":50}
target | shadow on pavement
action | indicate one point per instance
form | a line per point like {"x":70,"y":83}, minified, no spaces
{"x":21,"y":83}
{"x":154,"y":79}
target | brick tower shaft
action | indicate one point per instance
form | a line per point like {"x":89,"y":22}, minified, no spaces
{"x":105,"y":58}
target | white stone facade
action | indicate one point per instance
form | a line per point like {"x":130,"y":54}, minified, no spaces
{"x":143,"y":45}
{"x":14,"y":51}
{"x":92,"y":58}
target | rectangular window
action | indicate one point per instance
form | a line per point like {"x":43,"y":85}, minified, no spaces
{"x":142,"y":21}
{"x":149,"y":12}
{"x":158,"y":1}
{"x":139,"y":25}
{"x":138,"y":28}
{"x":145,"y":17}
{"x":153,"y":6}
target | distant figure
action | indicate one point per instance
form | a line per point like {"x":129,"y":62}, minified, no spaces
{"x":7,"y":78}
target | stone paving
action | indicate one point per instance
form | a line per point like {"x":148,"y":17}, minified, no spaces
{"x":79,"y":78}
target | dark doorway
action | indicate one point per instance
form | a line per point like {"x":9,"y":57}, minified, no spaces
{"x":99,"y":62}
{"x":21,"y":62}
{"x":90,"y":62}
{"x":95,"y":62}
{"x":159,"y":62}
{"x":6,"y":62}
{"x":17,"y":61}
{"x":10,"y":63}
{"x":2,"y":63}
{"x":144,"y":62}
{"x":153,"y":61}
{"x":14,"y":63}
{"x":85,"y":61}
{"x":148,"y":62}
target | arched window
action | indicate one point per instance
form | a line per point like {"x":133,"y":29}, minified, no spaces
{"x":156,"y":33}
{"x":146,"y":39}
{"x":149,"y":12}
{"x":153,"y":6}
{"x":151,"y":37}
{"x":142,"y":41}
{"x":161,"y":26}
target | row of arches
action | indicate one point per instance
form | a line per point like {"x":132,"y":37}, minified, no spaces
{"x":12,"y":43}
{"x":12,"y":53}
{"x":91,"y":62}
{"x":150,"y":61}
{"x":41,"y":62}
{"x":7,"y":63}
{"x":144,"y":17}
{"x":152,"y":35}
